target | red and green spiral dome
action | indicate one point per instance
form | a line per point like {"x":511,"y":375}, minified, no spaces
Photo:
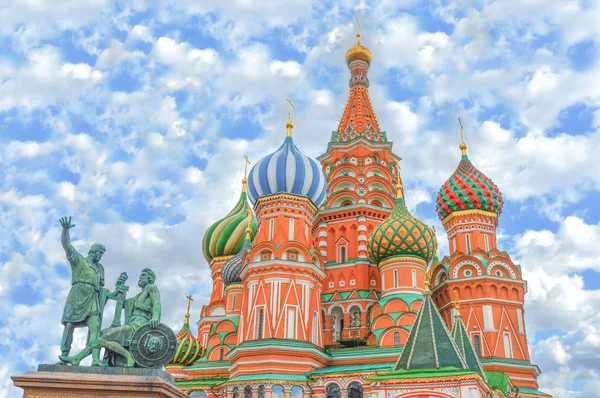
{"x":468,"y":189}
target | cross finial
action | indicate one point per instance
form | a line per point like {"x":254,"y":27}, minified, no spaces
{"x":187,"y":314}
{"x":289,"y":124}
{"x":462,"y":146}
{"x":245,"y":179}
{"x":457,"y":302}
{"x":358,"y":31}
{"x":399,"y":193}
{"x":248,"y":228}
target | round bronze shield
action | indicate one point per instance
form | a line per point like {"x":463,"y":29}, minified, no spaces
{"x":153,"y":347}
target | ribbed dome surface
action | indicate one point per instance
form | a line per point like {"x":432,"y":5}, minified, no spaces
{"x":401,"y":234}
{"x":232,"y":269}
{"x":287,"y":170}
{"x":468,"y":189}
{"x":226,"y":236}
{"x":188,"y":347}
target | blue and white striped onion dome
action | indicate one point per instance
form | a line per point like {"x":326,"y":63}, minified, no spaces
{"x":287,"y":170}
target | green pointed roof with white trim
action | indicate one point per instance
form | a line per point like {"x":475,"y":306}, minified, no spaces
{"x":429,"y":345}
{"x":461,"y":338}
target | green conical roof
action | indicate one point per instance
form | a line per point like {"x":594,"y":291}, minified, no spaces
{"x":429,"y":345}
{"x":461,"y":338}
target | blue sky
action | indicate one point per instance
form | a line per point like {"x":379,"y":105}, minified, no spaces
{"x":133,"y":117}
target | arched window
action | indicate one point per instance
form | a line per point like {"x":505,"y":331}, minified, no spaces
{"x":342,"y":254}
{"x":297,"y":392}
{"x":236,"y":393}
{"x":468,"y":242}
{"x":221,"y":354}
{"x":247,"y":392}
{"x":261,"y":391}
{"x":414,"y":278}
{"x":233,"y":302}
{"x":486,"y":242}
{"x":395,"y":278}
{"x":346,"y":203}
{"x":277,"y":392}
{"x":396,"y":339}
{"x":477,"y":344}
{"x":333,"y":391}
{"x":376,"y":203}
{"x":355,"y":390}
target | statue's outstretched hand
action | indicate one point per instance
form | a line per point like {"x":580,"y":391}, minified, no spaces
{"x":66,"y":223}
{"x":154,"y":323}
{"x":122,"y":279}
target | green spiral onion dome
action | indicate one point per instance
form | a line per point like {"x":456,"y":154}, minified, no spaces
{"x":401,"y":234}
{"x":468,"y":189}
{"x":226,"y":236}
{"x":188,"y":347}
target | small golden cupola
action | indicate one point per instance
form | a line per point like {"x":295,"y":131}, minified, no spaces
{"x":358,"y":51}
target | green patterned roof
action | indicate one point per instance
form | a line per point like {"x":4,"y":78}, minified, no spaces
{"x":401,"y":234}
{"x":461,"y":338}
{"x":429,"y":345}
{"x":226,"y":236}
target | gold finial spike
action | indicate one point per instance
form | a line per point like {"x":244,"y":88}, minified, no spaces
{"x":399,"y":189}
{"x":289,"y":124}
{"x":245,"y":179}
{"x":248,"y":228}
{"x":462,"y":146}
{"x":435,"y":252}
{"x":358,"y":31}
{"x":427,"y":281}
{"x":187,"y":314}
{"x":457,"y":303}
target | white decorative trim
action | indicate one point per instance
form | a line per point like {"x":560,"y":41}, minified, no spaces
{"x":438,"y":277}
{"x":362,"y":238}
{"x":323,"y":234}
{"x":463,"y":263}
{"x":323,"y":243}
{"x":361,"y":228}
{"x":362,"y":248}
{"x":503,"y":265}
{"x":323,"y":253}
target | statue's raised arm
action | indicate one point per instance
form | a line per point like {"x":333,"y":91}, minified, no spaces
{"x":65,"y":237}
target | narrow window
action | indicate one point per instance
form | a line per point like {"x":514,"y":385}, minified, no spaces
{"x":468,"y":242}
{"x":520,"y":321}
{"x":271,"y":228}
{"x":488,"y":317}
{"x":477,"y":344}
{"x":259,"y":324}
{"x":396,"y":339}
{"x":221,"y":354}
{"x":507,"y":345}
{"x":315,"y":328}
{"x":291,"y":323}
{"x":343,"y":254}
{"x":291,"y":235}
{"x":395,"y":278}
{"x":233,"y":302}
{"x":453,"y":245}
{"x":414,"y":278}
{"x":486,"y":242}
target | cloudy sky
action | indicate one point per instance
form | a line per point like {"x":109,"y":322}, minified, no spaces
{"x":133,"y":117}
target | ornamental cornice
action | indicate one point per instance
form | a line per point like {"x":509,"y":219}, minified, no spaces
{"x":286,"y":196}
{"x":405,"y":259}
{"x":468,"y":213}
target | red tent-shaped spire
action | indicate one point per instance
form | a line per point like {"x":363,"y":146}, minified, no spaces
{"x":358,"y":118}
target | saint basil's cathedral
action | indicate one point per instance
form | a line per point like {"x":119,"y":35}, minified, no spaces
{"x":326,"y":286}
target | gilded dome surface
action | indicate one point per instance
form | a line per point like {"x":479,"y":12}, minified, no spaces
{"x":358,"y":51}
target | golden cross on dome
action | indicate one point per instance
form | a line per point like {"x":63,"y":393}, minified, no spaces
{"x":358,"y":33}
{"x":457,"y":302}
{"x":248,"y":228}
{"x":399,"y":193}
{"x":427,"y":280}
{"x":462,"y":146}
{"x":245,"y":179}
{"x":289,"y":124}
{"x":187,"y":314}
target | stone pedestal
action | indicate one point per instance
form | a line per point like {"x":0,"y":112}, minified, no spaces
{"x":62,"y":381}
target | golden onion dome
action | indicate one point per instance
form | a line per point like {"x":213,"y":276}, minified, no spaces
{"x":358,"y":51}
